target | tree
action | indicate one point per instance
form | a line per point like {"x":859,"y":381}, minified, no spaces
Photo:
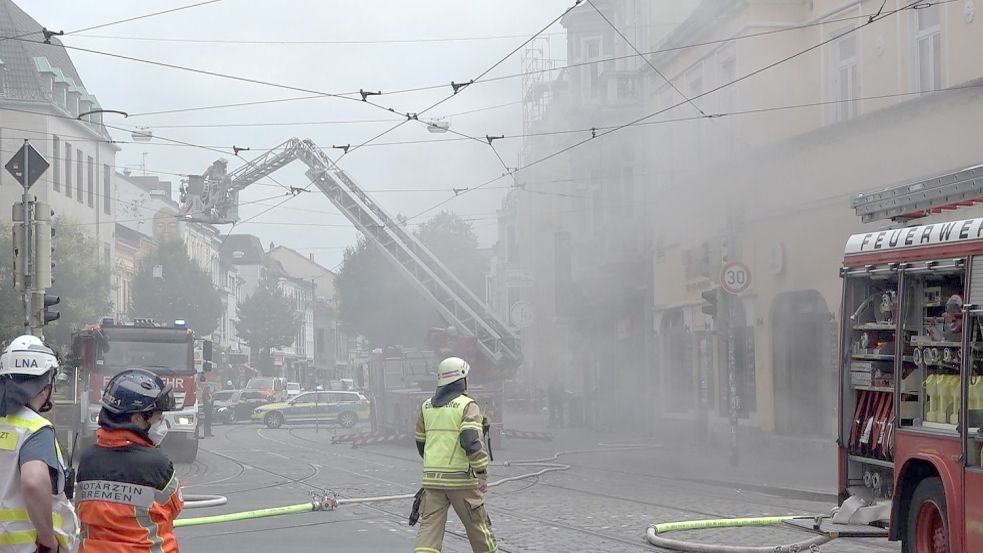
{"x":376,"y":300}
{"x":267,"y":319}
{"x":82,"y":283}
{"x":169,"y":285}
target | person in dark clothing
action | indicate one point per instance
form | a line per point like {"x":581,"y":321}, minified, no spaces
{"x":208,"y":407}
{"x":557,"y":397}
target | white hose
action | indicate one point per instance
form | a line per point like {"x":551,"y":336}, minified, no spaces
{"x":200,"y":501}
{"x":690,"y":547}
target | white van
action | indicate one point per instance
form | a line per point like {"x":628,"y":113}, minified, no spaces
{"x":293,"y":389}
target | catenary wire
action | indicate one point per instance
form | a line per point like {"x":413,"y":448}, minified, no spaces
{"x":139,"y":17}
{"x":111,"y":23}
{"x":474,"y":80}
{"x":911,"y":5}
{"x":521,"y":74}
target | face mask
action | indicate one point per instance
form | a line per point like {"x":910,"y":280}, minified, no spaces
{"x":158,"y":430}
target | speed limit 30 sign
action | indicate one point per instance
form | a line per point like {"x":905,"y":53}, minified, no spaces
{"x":735,"y":278}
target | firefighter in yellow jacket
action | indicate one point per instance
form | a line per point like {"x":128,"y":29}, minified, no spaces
{"x":455,"y":463}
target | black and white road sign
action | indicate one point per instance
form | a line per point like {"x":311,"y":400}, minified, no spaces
{"x":36,"y":165}
{"x":735,"y":278}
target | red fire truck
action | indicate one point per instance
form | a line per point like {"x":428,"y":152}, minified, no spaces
{"x":911,"y":394}
{"x":400,"y":380}
{"x":172,"y":352}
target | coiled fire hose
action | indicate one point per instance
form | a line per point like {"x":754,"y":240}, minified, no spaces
{"x":654,"y":536}
{"x":328,"y":503}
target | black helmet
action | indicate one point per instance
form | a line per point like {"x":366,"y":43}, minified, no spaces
{"x":137,"y":391}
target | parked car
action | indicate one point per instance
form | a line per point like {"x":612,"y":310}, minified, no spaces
{"x":232,"y":406}
{"x":345,"y":408}
{"x":293,"y":389}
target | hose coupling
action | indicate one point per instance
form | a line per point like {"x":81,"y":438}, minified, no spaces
{"x":323,"y":502}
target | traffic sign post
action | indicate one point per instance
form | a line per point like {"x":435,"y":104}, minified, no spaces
{"x":27,"y":166}
{"x":735,"y":279}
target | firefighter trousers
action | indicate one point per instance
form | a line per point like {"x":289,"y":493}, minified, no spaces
{"x":469,"y":505}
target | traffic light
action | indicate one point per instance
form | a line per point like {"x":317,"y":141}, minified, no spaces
{"x":710,"y":298}
{"x":44,"y":247}
{"x":42,"y":302}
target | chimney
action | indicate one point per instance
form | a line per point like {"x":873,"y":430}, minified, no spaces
{"x":312,"y":257}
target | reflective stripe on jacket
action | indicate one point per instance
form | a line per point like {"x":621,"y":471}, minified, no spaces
{"x":17,"y":532}
{"x":128,"y":495}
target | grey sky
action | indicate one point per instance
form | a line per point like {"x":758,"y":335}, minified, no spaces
{"x":137,"y":88}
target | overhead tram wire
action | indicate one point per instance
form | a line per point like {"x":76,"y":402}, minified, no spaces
{"x":305,"y":123}
{"x":873,"y":19}
{"x":462,"y":86}
{"x":526,"y":73}
{"x":139,"y":17}
{"x":112,"y":23}
{"x":313,"y":42}
{"x":456,"y":88}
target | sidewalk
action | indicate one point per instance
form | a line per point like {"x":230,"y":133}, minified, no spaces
{"x":802,"y":468}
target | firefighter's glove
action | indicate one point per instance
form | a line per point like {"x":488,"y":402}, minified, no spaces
{"x":415,"y":513}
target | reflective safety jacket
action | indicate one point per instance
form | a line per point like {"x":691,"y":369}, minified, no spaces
{"x":17,"y":533}
{"x":127,"y":494}
{"x":446,"y":464}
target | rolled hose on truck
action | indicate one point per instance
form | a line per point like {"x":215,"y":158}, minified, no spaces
{"x":326,"y":503}
{"x":654,"y":536}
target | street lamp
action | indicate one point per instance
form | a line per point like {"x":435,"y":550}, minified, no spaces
{"x":90,"y":112}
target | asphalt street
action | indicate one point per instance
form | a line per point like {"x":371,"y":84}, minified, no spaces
{"x":602,"y":503}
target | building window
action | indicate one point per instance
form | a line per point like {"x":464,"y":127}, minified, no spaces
{"x":927,"y":30}
{"x":91,"y":177}
{"x":843,"y":80}
{"x":78,"y":175}
{"x":592,"y":75}
{"x":55,"y":166}
{"x":107,"y":251}
{"x":68,"y":169}
{"x":107,"y":188}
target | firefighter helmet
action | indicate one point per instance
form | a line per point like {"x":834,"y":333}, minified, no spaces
{"x":451,"y":370}
{"x":137,"y":391}
{"x":27,"y":355}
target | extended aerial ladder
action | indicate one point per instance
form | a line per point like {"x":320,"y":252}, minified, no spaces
{"x":214,"y":198}
{"x":922,"y":198}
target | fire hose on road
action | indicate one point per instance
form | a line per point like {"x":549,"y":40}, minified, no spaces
{"x":328,"y":503}
{"x":655,"y":532}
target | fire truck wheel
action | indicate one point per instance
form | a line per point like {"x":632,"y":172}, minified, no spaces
{"x":926,"y":531}
{"x":274,"y":420}
{"x":347,"y":419}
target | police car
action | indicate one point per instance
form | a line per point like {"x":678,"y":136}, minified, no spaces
{"x":345,"y":408}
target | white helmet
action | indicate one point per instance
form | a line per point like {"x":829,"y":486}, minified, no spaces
{"x":451,"y":370}
{"x":27,"y":355}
